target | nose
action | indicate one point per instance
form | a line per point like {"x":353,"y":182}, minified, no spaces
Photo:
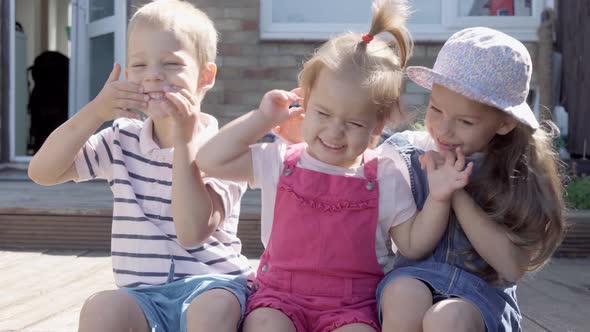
{"x":444,"y":128}
{"x":154,"y":73}
{"x":336,"y":128}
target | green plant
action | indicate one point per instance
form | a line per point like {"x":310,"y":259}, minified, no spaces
{"x":578,"y":192}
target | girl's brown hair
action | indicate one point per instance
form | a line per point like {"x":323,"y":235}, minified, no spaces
{"x":377,"y":65}
{"x":519,"y":185}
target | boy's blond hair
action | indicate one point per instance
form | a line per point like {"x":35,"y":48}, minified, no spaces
{"x":376,"y":65}
{"x":185,"y":21}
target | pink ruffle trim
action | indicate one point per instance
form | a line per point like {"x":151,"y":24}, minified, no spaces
{"x":328,"y":206}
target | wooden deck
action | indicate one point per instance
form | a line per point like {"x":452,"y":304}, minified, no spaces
{"x":43,"y":286}
{"x":43,"y":291}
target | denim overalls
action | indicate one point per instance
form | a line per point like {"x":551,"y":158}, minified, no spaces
{"x":446,"y":270}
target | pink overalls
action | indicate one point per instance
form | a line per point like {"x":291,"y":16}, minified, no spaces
{"x":320,"y":267}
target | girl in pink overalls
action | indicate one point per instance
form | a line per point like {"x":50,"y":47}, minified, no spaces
{"x":329,"y":205}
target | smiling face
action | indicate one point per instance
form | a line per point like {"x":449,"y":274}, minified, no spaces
{"x":159,"y":59}
{"x":338,"y":122}
{"x":456,"y":121}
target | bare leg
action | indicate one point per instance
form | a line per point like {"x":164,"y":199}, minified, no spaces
{"x":357,"y":327}
{"x":112,"y":310}
{"x":214,"y":310}
{"x":454,"y":315}
{"x":267,"y":319}
{"x":404,"y":303}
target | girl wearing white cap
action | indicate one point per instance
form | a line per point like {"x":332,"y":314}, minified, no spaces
{"x":510,"y":217}
{"x":508,"y":220}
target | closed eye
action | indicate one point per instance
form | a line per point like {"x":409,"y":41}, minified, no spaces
{"x":434,"y":109}
{"x":355,"y":124}
{"x":323,"y":114}
{"x":466,"y":122}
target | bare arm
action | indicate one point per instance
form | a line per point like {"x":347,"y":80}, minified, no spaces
{"x":228,"y":155}
{"x":490,"y":239}
{"x":54,"y":162}
{"x":418,"y":236}
{"x":197,"y":209}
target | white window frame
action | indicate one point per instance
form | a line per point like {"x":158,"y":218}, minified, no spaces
{"x":81,"y":32}
{"x":522,"y":28}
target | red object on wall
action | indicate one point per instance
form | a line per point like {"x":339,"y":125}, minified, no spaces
{"x":501,"y":7}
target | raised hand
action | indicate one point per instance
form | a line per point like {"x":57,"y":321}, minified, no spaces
{"x":290,"y":130}
{"x":275,"y":105}
{"x":446,"y":173}
{"x":184,"y":108}
{"x":117,"y":97}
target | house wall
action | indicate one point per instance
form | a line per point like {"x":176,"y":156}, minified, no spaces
{"x":248,"y":66}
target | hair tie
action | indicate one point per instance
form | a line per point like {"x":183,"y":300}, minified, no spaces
{"x":367,"y":38}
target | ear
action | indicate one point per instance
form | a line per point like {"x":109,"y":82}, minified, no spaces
{"x":207,"y":77}
{"x":507,"y":125}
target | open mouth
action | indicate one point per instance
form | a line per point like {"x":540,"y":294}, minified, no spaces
{"x":330,"y":146}
{"x":446,"y":146}
{"x":156,"y":95}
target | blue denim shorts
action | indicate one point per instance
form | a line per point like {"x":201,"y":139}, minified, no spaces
{"x":497,"y":306}
{"x":165,"y":306}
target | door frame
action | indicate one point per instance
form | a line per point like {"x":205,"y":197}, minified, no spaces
{"x":81,"y":32}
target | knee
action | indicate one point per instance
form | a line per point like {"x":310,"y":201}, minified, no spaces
{"x":404,"y":302}
{"x":447,"y":318}
{"x":215,"y":303}
{"x":106,"y":308}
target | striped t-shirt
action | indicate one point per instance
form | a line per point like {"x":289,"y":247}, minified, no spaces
{"x":144,"y":247}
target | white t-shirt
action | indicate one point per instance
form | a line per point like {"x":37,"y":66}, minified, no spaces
{"x":396,"y":204}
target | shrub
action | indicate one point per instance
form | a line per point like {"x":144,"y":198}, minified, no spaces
{"x":578,"y":192}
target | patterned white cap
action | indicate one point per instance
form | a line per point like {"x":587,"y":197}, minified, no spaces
{"x":484,"y":65}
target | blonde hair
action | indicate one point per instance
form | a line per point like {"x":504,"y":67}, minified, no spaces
{"x":377,"y":66}
{"x":519,"y":185}
{"x":185,"y":21}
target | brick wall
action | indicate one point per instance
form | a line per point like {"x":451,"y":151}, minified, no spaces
{"x":248,"y":66}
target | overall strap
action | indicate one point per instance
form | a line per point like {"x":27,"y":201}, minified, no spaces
{"x":370,"y":161}
{"x":292,"y":156}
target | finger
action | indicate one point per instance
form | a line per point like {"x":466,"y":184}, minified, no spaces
{"x":296,"y":112}
{"x":298,"y":92}
{"x":449,"y":158}
{"x":429,"y":162}
{"x":114,"y":76}
{"x":130,"y":104}
{"x":123,"y":113}
{"x":190,"y":97}
{"x":276,"y":130}
{"x":460,"y":162}
{"x":178,"y":104}
{"x":124,"y":87}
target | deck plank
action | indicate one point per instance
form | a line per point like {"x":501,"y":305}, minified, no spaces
{"x":55,"y":294}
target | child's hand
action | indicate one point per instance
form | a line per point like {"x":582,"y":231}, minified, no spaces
{"x":275,"y":105}
{"x":117,"y":97}
{"x":290,"y":131}
{"x":183,"y":107}
{"x":446,"y":173}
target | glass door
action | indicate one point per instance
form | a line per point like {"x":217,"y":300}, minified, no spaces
{"x":98,"y":40}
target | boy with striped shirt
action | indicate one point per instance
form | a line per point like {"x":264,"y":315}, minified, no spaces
{"x":175,"y":253}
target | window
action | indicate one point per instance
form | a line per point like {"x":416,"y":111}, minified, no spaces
{"x":431,"y":20}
